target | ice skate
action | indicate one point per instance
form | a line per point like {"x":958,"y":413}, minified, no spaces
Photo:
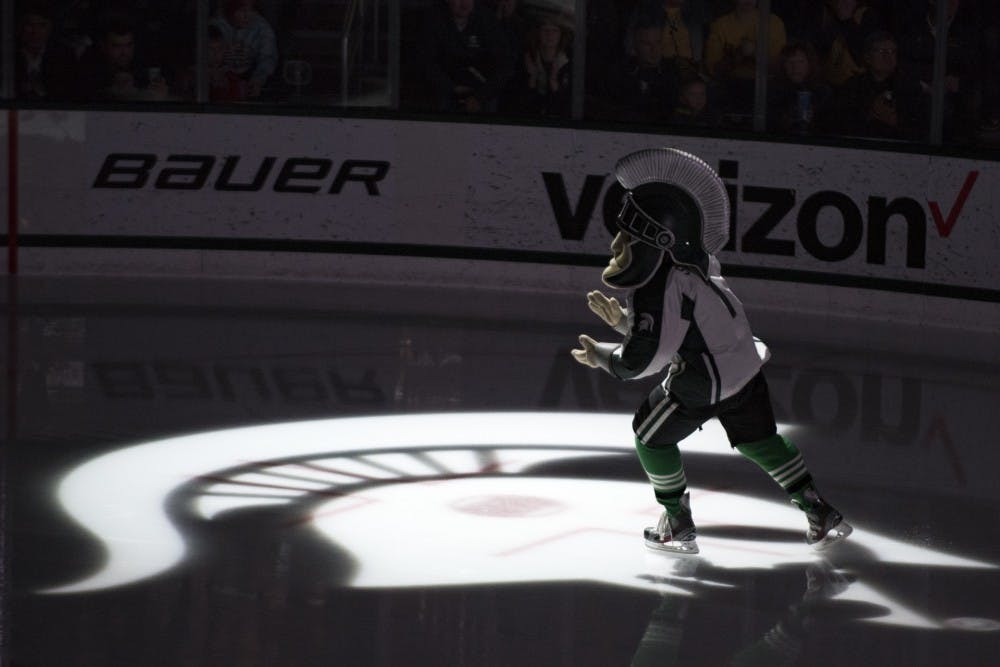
{"x":826,"y":524}
{"x":674,"y":534}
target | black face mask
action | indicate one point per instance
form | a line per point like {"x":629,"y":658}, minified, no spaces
{"x":642,"y":227}
{"x":665,"y":219}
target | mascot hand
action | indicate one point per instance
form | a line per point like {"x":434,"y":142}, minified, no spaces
{"x":588,"y":355}
{"x":607,"y":309}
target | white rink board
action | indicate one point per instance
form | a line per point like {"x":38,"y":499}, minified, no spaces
{"x":484,"y":187}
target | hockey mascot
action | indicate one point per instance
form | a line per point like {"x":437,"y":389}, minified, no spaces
{"x":680,"y":315}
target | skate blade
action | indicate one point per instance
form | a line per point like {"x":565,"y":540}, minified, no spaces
{"x":688,"y":547}
{"x":837,"y":534}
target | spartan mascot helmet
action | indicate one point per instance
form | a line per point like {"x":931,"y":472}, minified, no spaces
{"x":676,"y":205}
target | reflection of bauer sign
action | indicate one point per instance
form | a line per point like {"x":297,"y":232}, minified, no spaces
{"x":639,"y":225}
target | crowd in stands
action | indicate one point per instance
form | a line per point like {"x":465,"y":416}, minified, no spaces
{"x":843,"y":67}
{"x":849,"y":67}
{"x":138,"y":50}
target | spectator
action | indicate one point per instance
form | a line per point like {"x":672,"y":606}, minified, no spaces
{"x":843,"y":29}
{"x":224,"y":85}
{"x":542,"y":83}
{"x":111,"y":71}
{"x":251,"y":47}
{"x":76,"y":25}
{"x":516,"y":27}
{"x":693,"y":106}
{"x":881,"y":102}
{"x":798,"y":98}
{"x":732,"y":50}
{"x":681,"y":38}
{"x":173,"y":31}
{"x":963,"y":87}
{"x":464,"y":57}
{"x":44,"y":69}
{"x":645,"y":89}
{"x":514,"y":24}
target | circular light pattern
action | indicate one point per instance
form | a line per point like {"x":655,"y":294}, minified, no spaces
{"x":120,"y":496}
{"x":443,"y":499}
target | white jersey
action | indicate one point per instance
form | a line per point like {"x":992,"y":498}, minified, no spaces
{"x":697,"y":329}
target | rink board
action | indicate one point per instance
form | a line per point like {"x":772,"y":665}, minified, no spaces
{"x":195,"y":194}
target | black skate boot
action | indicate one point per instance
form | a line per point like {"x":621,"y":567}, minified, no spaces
{"x":675,"y":534}
{"x":826,"y":524}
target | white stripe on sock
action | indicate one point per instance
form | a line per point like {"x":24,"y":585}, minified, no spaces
{"x":791,"y":475}
{"x":670,"y":487}
{"x":785,"y":466}
{"x":666,"y":479}
{"x":679,"y":471}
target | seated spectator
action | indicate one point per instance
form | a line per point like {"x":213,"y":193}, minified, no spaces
{"x":514,"y":24}
{"x":224,"y":85}
{"x":111,"y":71}
{"x":963,"y":87}
{"x":75,"y":25}
{"x":43,"y":68}
{"x":542,"y":83}
{"x":693,"y":106}
{"x":732,"y":50}
{"x":681,"y":38}
{"x":251,"y":47}
{"x":843,"y":29}
{"x":645,"y":89}
{"x":881,"y":101}
{"x":172,"y":32}
{"x":798,"y":99}
{"x":464,"y":57}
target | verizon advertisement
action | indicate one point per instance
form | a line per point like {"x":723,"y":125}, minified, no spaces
{"x":823,"y":216}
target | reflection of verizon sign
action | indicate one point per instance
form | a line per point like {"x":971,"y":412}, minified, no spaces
{"x":875,"y":217}
{"x":194,"y":172}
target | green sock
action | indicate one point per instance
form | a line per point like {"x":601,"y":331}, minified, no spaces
{"x":666,"y":473}
{"x":780,"y":459}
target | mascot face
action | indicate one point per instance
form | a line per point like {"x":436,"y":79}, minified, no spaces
{"x":632,"y":263}
{"x":621,"y":255}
